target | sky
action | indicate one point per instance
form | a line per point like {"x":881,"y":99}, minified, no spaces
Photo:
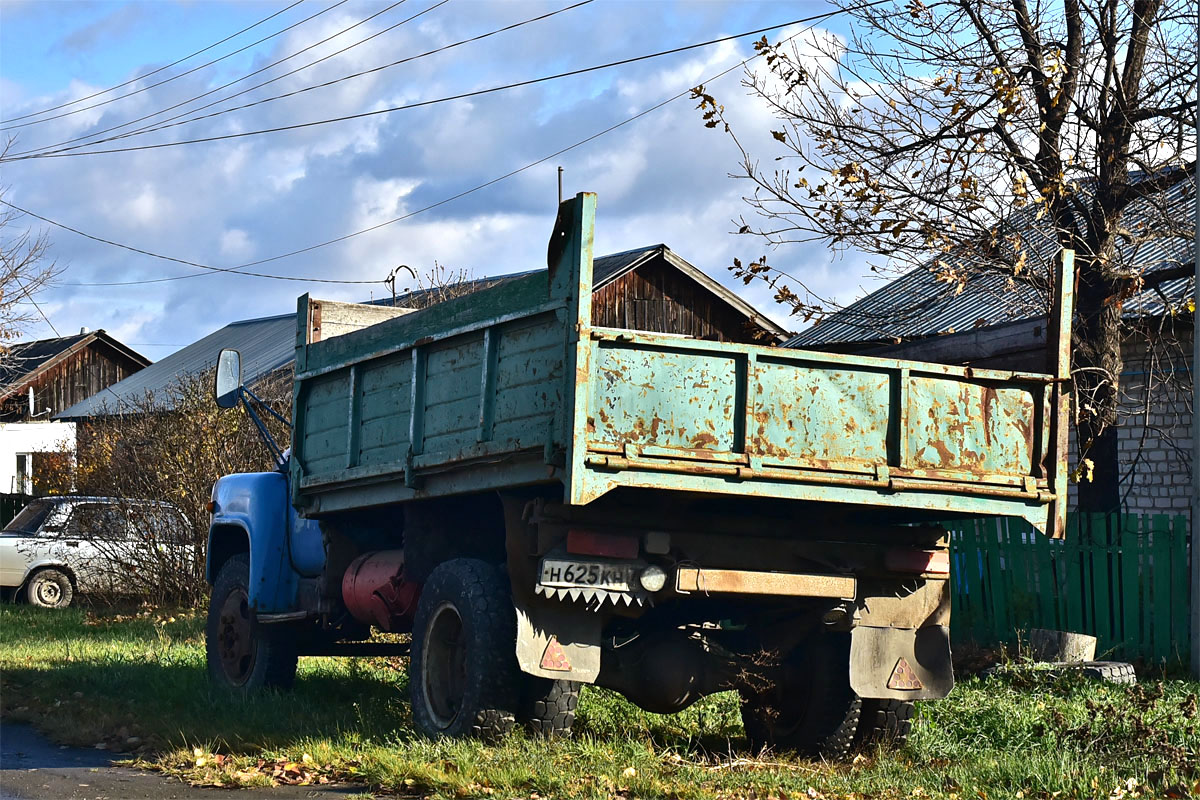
{"x":663,"y":178}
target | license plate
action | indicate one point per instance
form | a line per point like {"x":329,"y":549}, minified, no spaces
{"x":588,"y":574}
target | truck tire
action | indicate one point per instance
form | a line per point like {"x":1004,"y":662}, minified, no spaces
{"x":884,"y":722}
{"x":811,"y":708}
{"x":49,"y":588}
{"x":243,"y":655}
{"x":463,"y":676}
{"x":548,"y":706}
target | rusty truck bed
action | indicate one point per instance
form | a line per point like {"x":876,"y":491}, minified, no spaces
{"x":513,"y":386}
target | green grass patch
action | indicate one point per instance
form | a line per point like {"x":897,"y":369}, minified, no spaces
{"x":136,"y":683}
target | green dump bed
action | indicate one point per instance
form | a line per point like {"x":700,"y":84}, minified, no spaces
{"x":512,"y":386}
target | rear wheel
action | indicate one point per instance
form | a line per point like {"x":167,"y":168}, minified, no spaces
{"x":49,"y":588}
{"x":463,"y":675}
{"x":242,"y":654}
{"x":885,"y":722}
{"x":548,"y":706}
{"x":809,"y":706}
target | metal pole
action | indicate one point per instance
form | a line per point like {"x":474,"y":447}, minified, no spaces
{"x":1195,"y":548}
{"x":560,"y":185}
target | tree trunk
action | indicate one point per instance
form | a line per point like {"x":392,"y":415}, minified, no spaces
{"x":1097,"y":371}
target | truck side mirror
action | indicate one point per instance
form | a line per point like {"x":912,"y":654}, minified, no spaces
{"x":228,"y":379}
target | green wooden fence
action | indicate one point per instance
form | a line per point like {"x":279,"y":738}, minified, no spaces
{"x":1122,"y":579}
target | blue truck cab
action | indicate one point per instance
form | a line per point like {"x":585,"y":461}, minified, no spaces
{"x":251,"y":514}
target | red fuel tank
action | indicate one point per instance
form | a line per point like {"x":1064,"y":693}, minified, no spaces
{"x":376,"y":593}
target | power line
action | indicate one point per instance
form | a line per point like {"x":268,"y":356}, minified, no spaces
{"x":167,"y":123}
{"x":175,"y":77}
{"x":423,"y":103}
{"x":156,"y":71}
{"x":236,"y":270}
{"x":493,"y":181}
{"x":94,"y":134}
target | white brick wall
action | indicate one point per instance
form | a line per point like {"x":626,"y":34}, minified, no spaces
{"x":1155,"y":433}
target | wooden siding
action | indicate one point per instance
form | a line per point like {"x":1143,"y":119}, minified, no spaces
{"x":658,"y":298}
{"x":78,"y":376}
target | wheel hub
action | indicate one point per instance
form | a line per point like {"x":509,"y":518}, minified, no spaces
{"x":48,"y":592}
{"x":235,"y":638}
{"x":445,"y":667}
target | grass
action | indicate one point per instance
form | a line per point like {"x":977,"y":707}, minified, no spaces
{"x":136,"y":682}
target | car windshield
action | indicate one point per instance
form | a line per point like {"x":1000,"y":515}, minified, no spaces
{"x":31,"y":517}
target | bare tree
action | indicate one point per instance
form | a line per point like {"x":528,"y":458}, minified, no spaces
{"x":972,"y":136}
{"x":25,"y":269}
{"x":170,"y":447}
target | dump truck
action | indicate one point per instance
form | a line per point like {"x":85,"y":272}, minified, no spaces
{"x":542,"y":503}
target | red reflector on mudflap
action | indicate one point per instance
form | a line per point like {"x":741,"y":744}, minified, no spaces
{"x":904,"y":677}
{"x":936,"y":562}
{"x":609,"y":545}
{"x":554,"y":657}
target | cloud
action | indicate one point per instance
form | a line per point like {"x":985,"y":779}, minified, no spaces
{"x":103,"y":31}
{"x":663,"y":178}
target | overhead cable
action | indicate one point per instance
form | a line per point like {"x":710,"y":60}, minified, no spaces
{"x":472,"y":190}
{"x":174,"y":77}
{"x":236,"y":270}
{"x":424,"y":103}
{"x":167,"y":123}
{"x":175,"y":63}
{"x":151,"y":126}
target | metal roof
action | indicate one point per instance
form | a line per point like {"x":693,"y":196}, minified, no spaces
{"x":917,"y":304}
{"x":268,"y":344}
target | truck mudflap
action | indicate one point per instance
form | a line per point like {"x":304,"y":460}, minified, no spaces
{"x":558,"y":641}
{"x":901,"y":663}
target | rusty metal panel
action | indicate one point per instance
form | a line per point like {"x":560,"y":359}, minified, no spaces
{"x":813,"y":415}
{"x":740,"y":581}
{"x":965,"y":426}
{"x":665,"y":399}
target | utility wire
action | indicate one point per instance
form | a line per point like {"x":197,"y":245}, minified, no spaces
{"x":175,"y":77}
{"x":153,"y":72}
{"x":493,"y":181}
{"x":237,"y":270}
{"x":94,"y":134}
{"x":423,"y":103}
{"x":164,"y":124}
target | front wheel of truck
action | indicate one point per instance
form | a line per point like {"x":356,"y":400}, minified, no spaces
{"x":242,"y":654}
{"x":463,"y":676}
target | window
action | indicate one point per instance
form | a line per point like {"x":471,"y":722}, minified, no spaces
{"x":30,"y":518}
{"x":23,"y":480}
{"x":97,"y":521}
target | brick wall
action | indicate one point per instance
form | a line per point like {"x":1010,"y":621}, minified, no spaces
{"x":1155,"y":434}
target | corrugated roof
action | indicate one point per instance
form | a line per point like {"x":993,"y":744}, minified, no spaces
{"x":268,"y":344}
{"x":265,"y":344}
{"x":917,"y":304}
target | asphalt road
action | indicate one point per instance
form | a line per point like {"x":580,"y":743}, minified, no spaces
{"x":34,"y":768}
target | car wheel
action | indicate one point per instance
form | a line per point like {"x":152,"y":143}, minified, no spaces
{"x":49,"y":588}
{"x":463,"y":673}
{"x":243,"y":655}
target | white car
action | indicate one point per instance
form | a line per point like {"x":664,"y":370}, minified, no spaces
{"x":60,"y":546}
